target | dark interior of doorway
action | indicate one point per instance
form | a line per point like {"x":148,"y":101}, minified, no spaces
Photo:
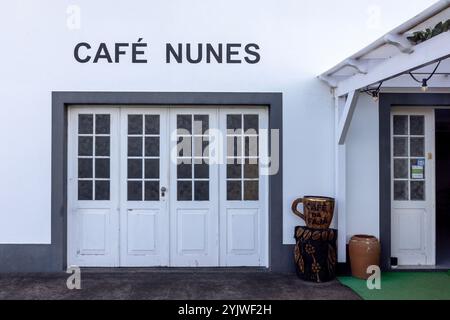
{"x":442,"y":187}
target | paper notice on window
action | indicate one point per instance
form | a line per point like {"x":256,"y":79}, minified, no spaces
{"x":418,"y":172}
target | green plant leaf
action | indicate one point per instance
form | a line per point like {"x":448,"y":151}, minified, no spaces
{"x":422,"y":36}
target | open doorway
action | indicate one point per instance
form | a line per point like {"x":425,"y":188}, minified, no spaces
{"x":442,"y":187}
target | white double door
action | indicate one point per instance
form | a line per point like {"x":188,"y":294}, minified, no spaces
{"x":413,"y":221}
{"x":148,"y":187}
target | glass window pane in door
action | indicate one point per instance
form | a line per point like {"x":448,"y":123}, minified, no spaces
{"x":251,"y":146}
{"x":134,"y":168}
{"x":251,"y":190}
{"x":234,"y":146}
{"x":417,"y":147}
{"x":85,"y":168}
{"x":184,"y":147}
{"x":151,"y":168}
{"x":201,"y":169}
{"x":418,"y":190}
{"x":151,"y":191}
{"x":251,"y":169}
{"x":401,"y":190}
{"x":135,"y":124}
{"x":152,"y":146}
{"x":400,"y":147}
{"x":152,"y":124}
{"x":234,"y":124}
{"x":184,"y":124}
{"x":184,"y":190}
{"x":102,"y":123}
{"x":201,"y":124}
{"x":85,"y":146}
{"x":85,"y":190}
{"x":135,"y":146}
{"x":234,"y":190}
{"x":201,"y":190}
{"x":417,"y":125}
{"x":102,"y":146}
{"x":102,"y":169}
{"x":401,"y":168}
{"x":102,"y":190}
{"x":85,"y":124}
{"x":134,"y":190}
{"x":401,"y":125}
{"x":251,"y":124}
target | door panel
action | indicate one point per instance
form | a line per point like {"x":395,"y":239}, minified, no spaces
{"x":192,"y":232}
{"x":194,"y":188}
{"x":242,"y":231}
{"x":141,"y":231}
{"x":93,"y":231}
{"x":144,"y":216}
{"x":93,"y":187}
{"x":413,"y":205}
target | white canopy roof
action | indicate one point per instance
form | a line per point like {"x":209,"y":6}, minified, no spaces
{"x":393,"y":56}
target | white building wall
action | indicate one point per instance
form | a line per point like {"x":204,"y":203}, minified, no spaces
{"x":363,"y":170}
{"x":39,"y":60}
{"x":295,"y":38}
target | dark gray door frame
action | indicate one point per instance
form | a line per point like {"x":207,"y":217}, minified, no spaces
{"x":387,"y":102}
{"x":52,"y":257}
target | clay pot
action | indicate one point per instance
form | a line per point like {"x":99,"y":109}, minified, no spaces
{"x":364,"y":252}
{"x":318,"y":211}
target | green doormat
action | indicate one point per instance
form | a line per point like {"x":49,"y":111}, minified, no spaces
{"x":404,"y":286}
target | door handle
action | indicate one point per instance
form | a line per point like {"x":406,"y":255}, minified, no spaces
{"x":163,"y":191}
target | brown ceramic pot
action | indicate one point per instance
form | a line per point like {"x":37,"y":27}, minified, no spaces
{"x":318,"y":211}
{"x":364,"y":252}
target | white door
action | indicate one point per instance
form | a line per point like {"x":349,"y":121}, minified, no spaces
{"x":413,"y":189}
{"x":243,"y":188}
{"x":181,"y":187}
{"x":194,"y":211}
{"x":144,"y":170}
{"x":93,"y":189}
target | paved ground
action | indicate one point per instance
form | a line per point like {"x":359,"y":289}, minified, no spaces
{"x":179,"y":285}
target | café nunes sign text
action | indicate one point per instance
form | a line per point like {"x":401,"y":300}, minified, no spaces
{"x":137,"y":52}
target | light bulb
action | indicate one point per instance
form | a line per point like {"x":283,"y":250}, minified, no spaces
{"x":375,"y":96}
{"x":424,"y":85}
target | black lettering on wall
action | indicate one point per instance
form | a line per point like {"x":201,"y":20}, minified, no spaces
{"x":189,"y":53}
{"x":76,"y":52}
{"x":119,"y":52}
{"x":177,"y":55}
{"x":251,"y":49}
{"x":136,"y":51}
{"x":231,"y":52}
{"x":102,"y":53}
{"x":210,"y":51}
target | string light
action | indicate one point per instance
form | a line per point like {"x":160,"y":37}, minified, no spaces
{"x":424,"y":81}
{"x":374,"y":93}
{"x":375,"y":96}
